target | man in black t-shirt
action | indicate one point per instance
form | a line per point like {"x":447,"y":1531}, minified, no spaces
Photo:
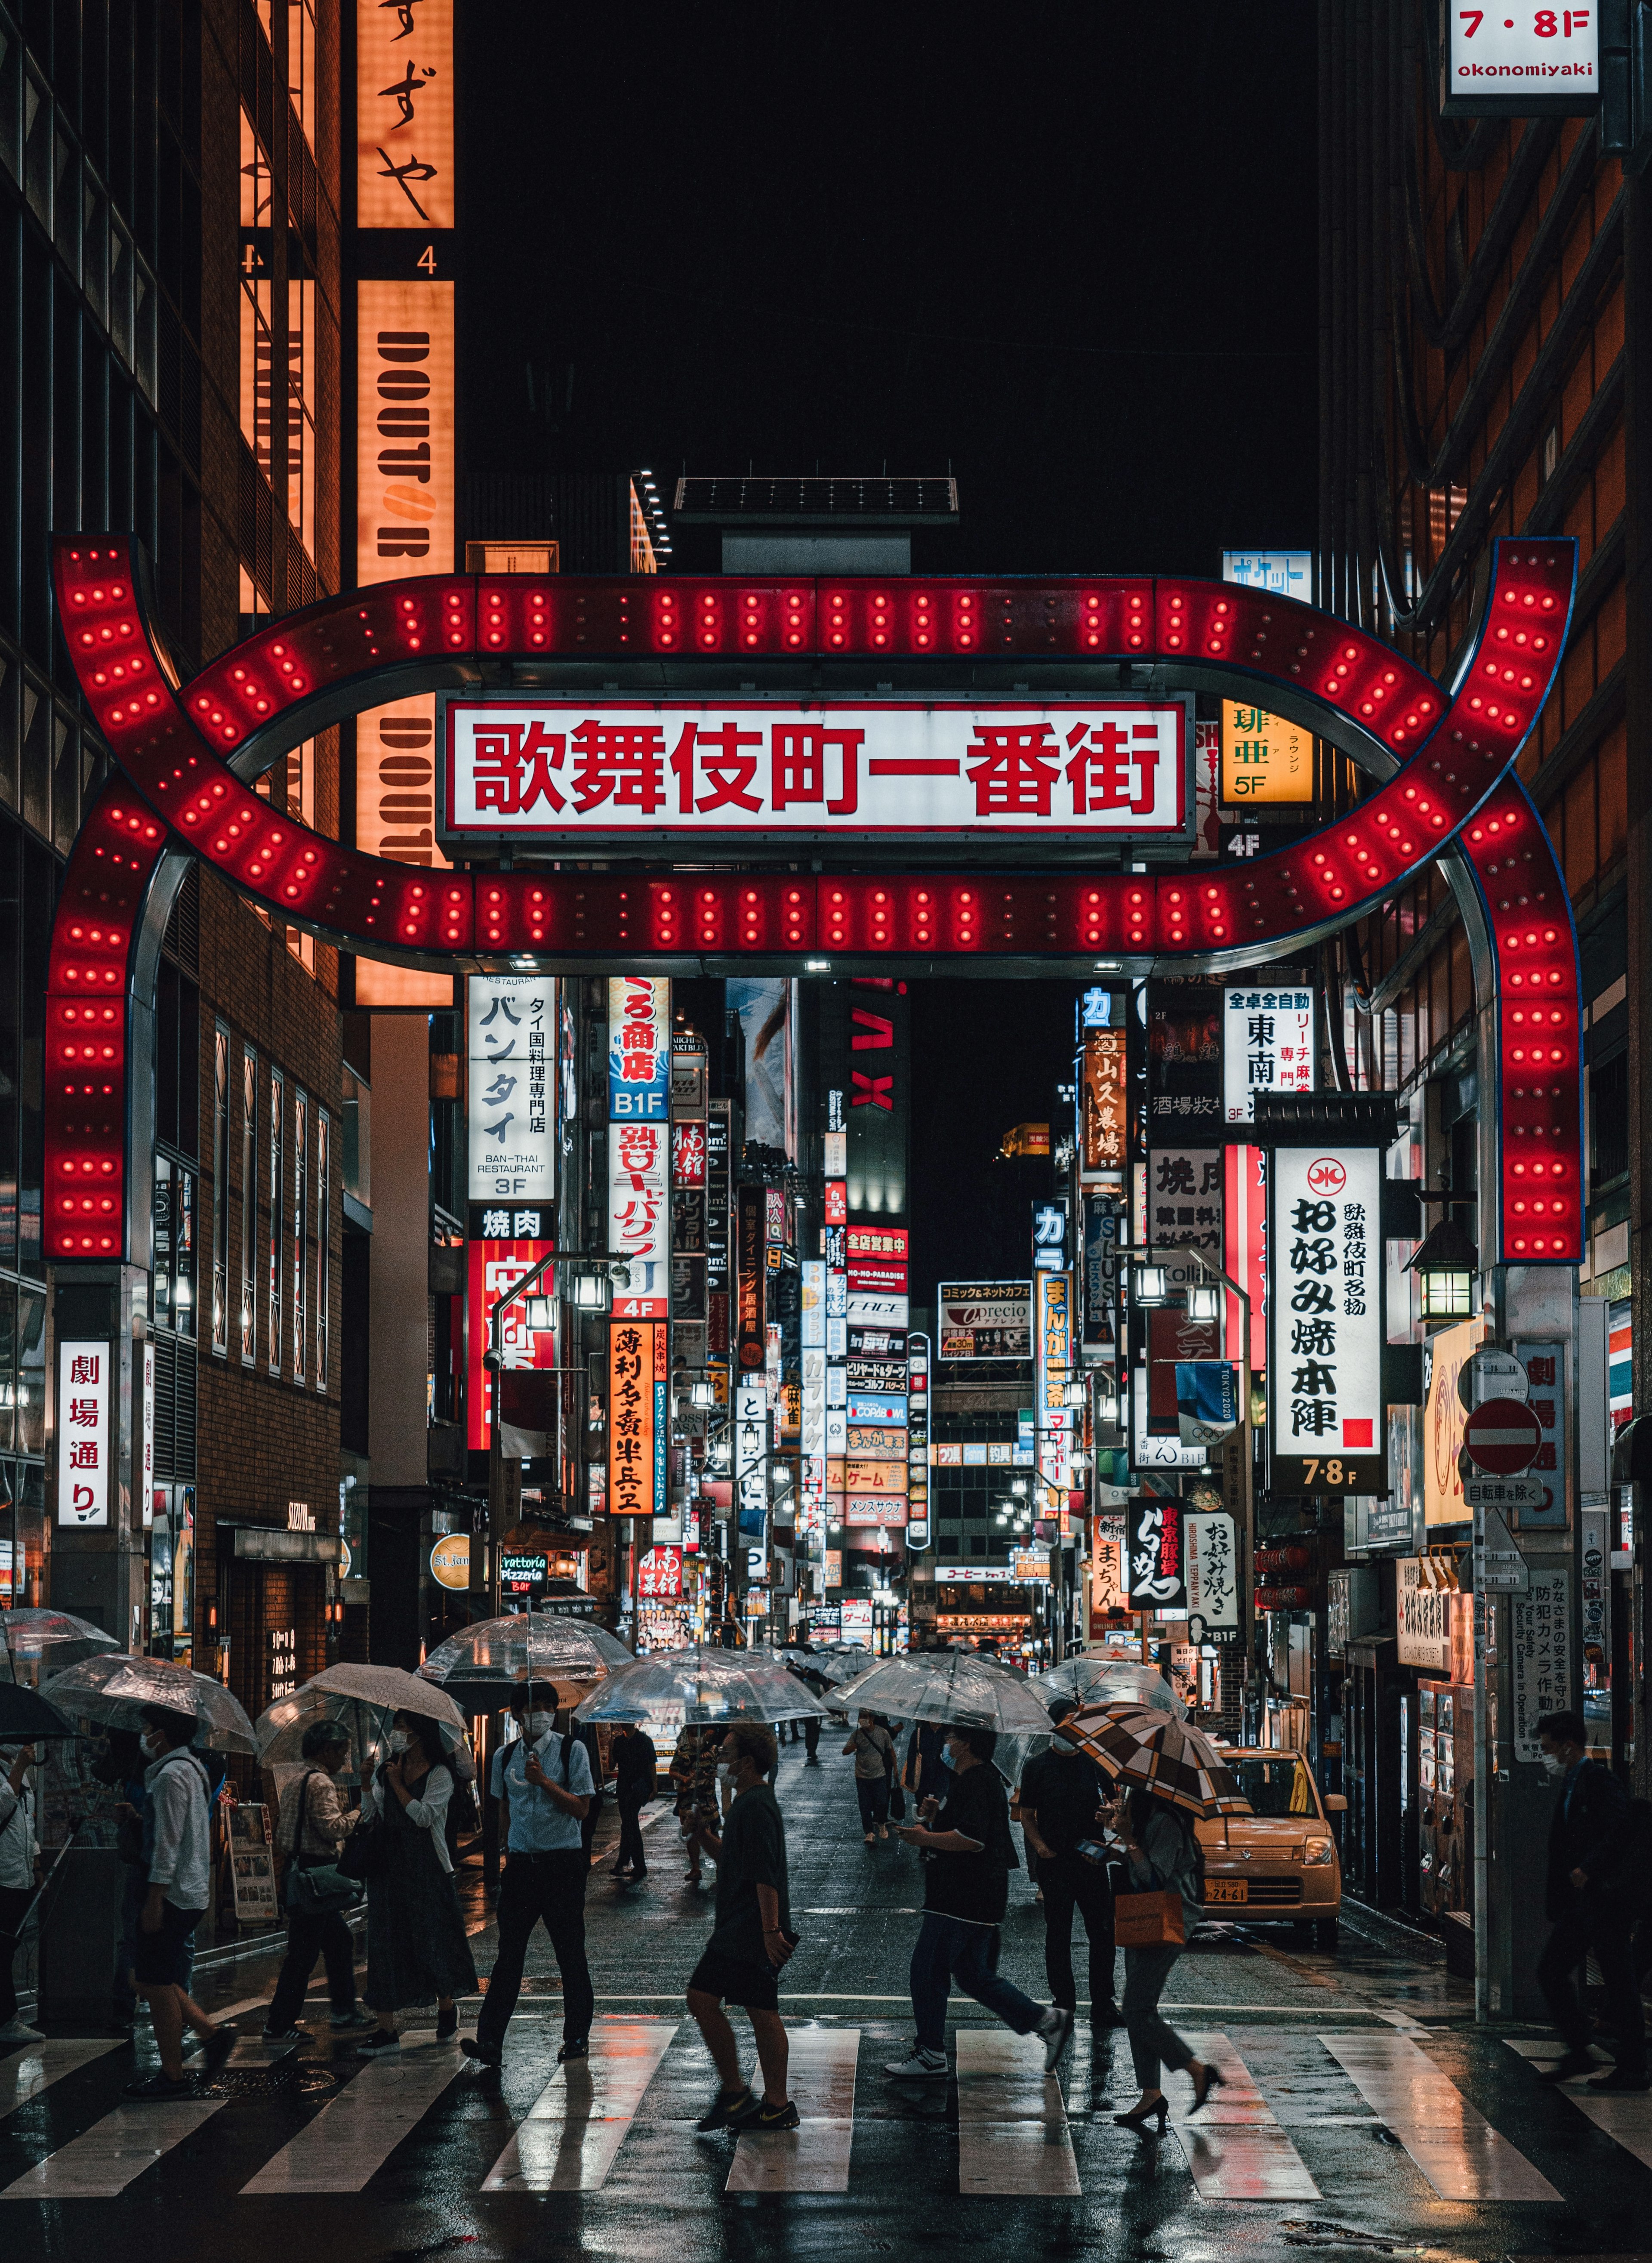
{"x":969,"y":1854}
{"x":1061,"y":1791}
{"x":750,"y":1941}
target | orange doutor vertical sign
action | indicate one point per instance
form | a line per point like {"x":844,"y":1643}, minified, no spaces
{"x":637,"y":1436}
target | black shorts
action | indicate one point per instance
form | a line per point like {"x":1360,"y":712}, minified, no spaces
{"x":161,"y":1959}
{"x":738,"y":1980}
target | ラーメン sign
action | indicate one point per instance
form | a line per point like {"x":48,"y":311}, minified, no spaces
{"x":617,"y":769}
{"x":1325,"y":1296}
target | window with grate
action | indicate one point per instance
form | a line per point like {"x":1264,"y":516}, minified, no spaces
{"x":324,"y":1242}
{"x":300,"y":1229}
{"x":220,"y":1192}
{"x":276,"y":1254}
{"x":249,"y":1206}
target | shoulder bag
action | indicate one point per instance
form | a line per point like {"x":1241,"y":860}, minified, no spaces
{"x":1155,"y":1920}
{"x":365,"y":1853}
{"x":897,"y":1795}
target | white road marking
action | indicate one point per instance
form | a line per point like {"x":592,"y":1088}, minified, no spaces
{"x":105,"y":2159}
{"x":36,"y":2066}
{"x":1626,"y":2116}
{"x":579,"y":2120}
{"x":1012,"y":2134}
{"x":1235,"y":2149}
{"x":1451,"y":2141}
{"x":355,"y":2132}
{"x":815,"y":2156}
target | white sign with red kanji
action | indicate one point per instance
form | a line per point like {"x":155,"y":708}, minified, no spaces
{"x":83,"y":1433}
{"x":688,"y":1151}
{"x":640,"y":1216}
{"x":626,"y":767}
{"x":1325,"y":1302}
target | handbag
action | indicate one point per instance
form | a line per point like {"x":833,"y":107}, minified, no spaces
{"x":896,"y":1800}
{"x":365,"y":1853}
{"x":320,"y":1890}
{"x":1155,"y":1920}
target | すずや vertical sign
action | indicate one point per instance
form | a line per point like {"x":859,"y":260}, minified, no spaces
{"x":1326,"y":1298}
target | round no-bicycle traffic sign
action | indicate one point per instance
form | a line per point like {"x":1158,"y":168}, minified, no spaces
{"x":1503,"y":1436}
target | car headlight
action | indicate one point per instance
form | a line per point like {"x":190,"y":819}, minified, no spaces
{"x":1318,"y":1851}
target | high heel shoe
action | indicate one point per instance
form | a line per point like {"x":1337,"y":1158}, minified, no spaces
{"x":1144,"y":2115}
{"x":1202,"y":2090}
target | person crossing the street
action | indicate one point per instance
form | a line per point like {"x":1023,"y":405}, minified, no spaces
{"x":1062,"y":1791}
{"x":179,"y":1853}
{"x":969,"y":1854}
{"x":1588,"y":1905}
{"x":750,"y":1941}
{"x":545,"y":1780}
{"x":635,"y":1763}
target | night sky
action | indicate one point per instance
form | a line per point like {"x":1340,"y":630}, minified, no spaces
{"x":1067,"y":251}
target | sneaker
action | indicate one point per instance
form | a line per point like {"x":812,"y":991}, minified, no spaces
{"x":216,"y":2047}
{"x":277,"y":2035}
{"x":379,"y":2041}
{"x":725,"y":2110}
{"x":160,"y":2086}
{"x":1056,"y":2028}
{"x":484,"y":2054}
{"x":577,"y":2047}
{"x":18,"y":2031}
{"x":354,"y":2018}
{"x":921,"y":2066}
{"x":764,"y":2117}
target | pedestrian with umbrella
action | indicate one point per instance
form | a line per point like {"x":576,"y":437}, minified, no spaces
{"x":1062,"y":1794}
{"x":1174,"y":1776}
{"x":23,"y":1716}
{"x":545,"y":1778}
{"x":310,"y":1832}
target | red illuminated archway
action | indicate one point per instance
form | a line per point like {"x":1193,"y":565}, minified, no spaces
{"x":186,"y":751}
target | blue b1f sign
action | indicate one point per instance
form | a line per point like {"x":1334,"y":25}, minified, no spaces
{"x":638,"y":1049}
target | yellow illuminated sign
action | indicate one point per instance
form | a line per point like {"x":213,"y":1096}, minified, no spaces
{"x":404,"y":114}
{"x":1264,"y":758}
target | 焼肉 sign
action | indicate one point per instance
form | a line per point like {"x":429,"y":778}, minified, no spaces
{"x":617,"y":769}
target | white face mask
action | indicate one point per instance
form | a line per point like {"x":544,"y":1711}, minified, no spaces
{"x":725,"y":1771}
{"x":538,"y":1722}
{"x":1553,"y":1764}
{"x":399,"y":1740}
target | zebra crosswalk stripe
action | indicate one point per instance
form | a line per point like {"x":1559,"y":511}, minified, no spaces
{"x":815,"y":2156}
{"x":1451,"y":2141}
{"x":1235,"y":2149}
{"x":1013,"y":2133}
{"x":1626,"y":2116}
{"x":27,"y":2072}
{"x":354,"y":2133}
{"x":570,"y":2134}
{"x":105,"y":2159}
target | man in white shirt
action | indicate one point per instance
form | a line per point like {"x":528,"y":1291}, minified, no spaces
{"x":179,"y":1890}
{"x":546,"y":1782}
{"x":17,"y":1853}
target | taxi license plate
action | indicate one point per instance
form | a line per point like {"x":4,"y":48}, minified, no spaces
{"x":1227,"y":1890}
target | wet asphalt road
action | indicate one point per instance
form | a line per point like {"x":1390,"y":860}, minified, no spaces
{"x":1362,"y":2102}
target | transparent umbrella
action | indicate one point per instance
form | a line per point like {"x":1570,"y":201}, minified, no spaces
{"x":281,"y":1730}
{"x":1110,"y":1681}
{"x":485,"y":1665}
{"x":114,"y":1688}
{"x":949,"y":1685}
{"x":390,"y":1688}
{"x":700,"y":1684}
{"x":32,"y":1641}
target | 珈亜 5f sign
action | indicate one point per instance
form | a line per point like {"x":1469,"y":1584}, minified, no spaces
{"x":1325,"y":1296}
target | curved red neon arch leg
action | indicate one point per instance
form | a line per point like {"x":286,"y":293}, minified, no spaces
{"x":169,"y":742}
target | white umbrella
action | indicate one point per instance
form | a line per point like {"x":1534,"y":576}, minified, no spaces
{"x":114,"y":1687}
{"x":282,"y":1727}
{"x":700,"y":1683}
{"x":1110,"y":1681}
{"x":958,"y":1687}
{"x":391,"y":1689}
{"x":487,"y":1664}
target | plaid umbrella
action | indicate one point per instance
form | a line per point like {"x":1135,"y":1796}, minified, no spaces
{"x":1161,"y":1754}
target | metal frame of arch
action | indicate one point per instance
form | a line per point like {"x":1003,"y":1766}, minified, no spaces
{"x":1444,"y":759}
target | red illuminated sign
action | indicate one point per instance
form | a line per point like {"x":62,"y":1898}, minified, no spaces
{"x":492,"y":1269}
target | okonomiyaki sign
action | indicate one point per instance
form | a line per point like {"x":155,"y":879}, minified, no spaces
{"x":1325,"y":1295}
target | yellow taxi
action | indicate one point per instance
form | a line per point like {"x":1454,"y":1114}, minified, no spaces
{"x":1279,"y":1863}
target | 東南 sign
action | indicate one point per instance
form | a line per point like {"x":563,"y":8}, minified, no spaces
{"x":1517,"y":60}
{"x":1155,"y":1570}
{"x":511,"y":1107}
{"x":638,"y":1049}
{"x":608,"y":769}
{"x":1325,"y":1385}
{"x":985,"y":1319}
{"x":83,"y":1433}
{"x":1267,"y":1046}
{"x":637,"y":1433}
{"x":1502,"y":1436}
{"x":1264,"y":758}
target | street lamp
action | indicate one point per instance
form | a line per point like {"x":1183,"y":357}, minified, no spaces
{"x":1152,"y":1285}
{"x":1447,"y":1262}
{"x":1204,"y":1301}
{"x":1073,"y":1395}
{"x":703,"y":1393}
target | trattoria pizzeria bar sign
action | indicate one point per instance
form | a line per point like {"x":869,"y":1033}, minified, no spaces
{"x":617,"y":770}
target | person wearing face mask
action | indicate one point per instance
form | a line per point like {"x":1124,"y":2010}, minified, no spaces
{"x":1588,"y":1905}
{"x":309,"y":1833}
{"x":970,"y":1854}
{"x":19,"y":1863}
{"x":546,"y":1780}
{"x":179,"y":1890}
{"x":417,"y":1952}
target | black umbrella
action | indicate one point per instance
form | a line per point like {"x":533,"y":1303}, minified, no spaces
{"x":24,"y":1714}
